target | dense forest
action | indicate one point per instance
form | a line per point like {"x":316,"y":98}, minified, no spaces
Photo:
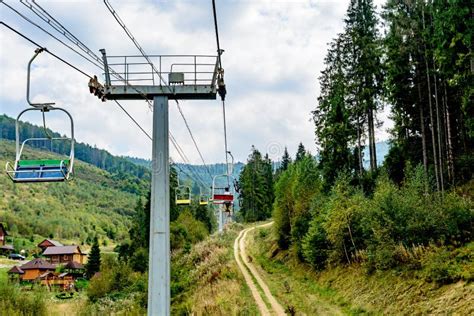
{"x":415,"y":212}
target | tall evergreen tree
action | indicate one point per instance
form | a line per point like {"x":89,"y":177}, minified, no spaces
{"x":285,"y":160}
{"x":93,"y":263}
{"x":300,"y":153}
{"x":256,"y":187}
{"x":334,"y":132}
{"x":365,"y":68}
{"x":428,"y":82}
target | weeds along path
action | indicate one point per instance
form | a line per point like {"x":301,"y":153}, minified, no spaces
{"x":246,"y":266}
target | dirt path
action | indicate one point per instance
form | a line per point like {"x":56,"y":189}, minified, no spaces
{"x":248,"y":279}
{"x":242,"y":256}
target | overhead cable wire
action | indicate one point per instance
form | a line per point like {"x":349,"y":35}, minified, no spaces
{"x":131,"y":117}
{"x":48,"y":18}
{"x":219,"y":53}
{"x":53,"y":36}
{"x":145,"y":55}
{"x":175,"y":144}
{"x":45,"y":49}
{"x":55,"y":24}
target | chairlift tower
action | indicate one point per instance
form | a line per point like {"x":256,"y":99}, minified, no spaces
{"x":189,"y":77}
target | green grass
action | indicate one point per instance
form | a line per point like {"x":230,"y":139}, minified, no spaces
{"x":349,"y":290}
{"x":294,"y":285}
{"x":3,"y":275}
{"x":207,"y":280}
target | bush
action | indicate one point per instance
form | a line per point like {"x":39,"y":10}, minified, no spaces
{"x":395,"y":227}
{"x":446,"y":265}
{"x":15,"y":302}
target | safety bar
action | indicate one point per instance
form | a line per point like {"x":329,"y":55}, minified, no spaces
{"x":197,"y":69}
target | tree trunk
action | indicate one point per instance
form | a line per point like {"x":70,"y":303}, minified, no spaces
{"x":359,"y":147}
{"x":422,"y":125}
{"x":449,"y":138}
{"x":370,"y":122}
{"x":433,"y":137}
{"x":439,"y":129}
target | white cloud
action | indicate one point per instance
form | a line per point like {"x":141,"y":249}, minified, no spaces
{"x":274,"y":53}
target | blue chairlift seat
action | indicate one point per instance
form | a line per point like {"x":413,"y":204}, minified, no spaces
{"x":48,"y":170}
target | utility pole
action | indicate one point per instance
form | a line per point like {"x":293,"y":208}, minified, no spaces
{"x":186,"y":83}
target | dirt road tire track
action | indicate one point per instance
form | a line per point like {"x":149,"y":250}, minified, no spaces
{"x":248,"y":279}
{"x":241,"y":256}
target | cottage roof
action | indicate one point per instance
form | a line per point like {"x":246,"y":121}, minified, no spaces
{"x":50,"y":241}
{"x":44,"y":275}
{"x":73,"y":265}
{"x":7,"y":247}
{"x":38,"y":263}
{"x":15,"y":270}
{"x":61,"y":250}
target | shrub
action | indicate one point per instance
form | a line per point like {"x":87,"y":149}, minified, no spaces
{"x":316,"y":245}
{"x":15,"y":302}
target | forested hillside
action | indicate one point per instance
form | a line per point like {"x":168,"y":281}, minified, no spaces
{"x":95,"y":203}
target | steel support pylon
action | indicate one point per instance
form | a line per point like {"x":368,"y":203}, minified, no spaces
{"x":221,"y":219}
{"x":159,"y":255}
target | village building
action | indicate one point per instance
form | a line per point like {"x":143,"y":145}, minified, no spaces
{"x":15,"y":274}
{"x":49,"y":243}
{"x":64,"y":254}
{"x":4,"y":248}
{"x":35,"y":268}
{"x":63,"y":281}
{"x":75,"y":269}
{"x":3,"y":235}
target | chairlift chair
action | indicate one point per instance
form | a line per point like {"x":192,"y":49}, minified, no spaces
{"x":41,"y":170}
{"x":183,"y":195}
{"x":203,"y":198}
{"x":221,"y":195}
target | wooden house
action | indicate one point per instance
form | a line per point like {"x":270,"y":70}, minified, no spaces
{"x":49,"y":243}
{"x":64,"y":281}
{"x":3,"y":235}
{"x":35,"y":268}
{"x":64,"y":254}
{"x":15,"y":274}
{"x":4,"y":248}
{"x":75,"y":269}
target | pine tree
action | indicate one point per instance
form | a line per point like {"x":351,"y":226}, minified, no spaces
{"x":428,"y":83}
{"x":301,"y":152}
{"x":93,"y":263}
{"x":365,"y":67}
{"x":256,"y":187}
{"x":334,"y":131}
{"x":285,"y":160}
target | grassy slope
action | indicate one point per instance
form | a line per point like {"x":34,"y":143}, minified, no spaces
{"x":350,"y":288}
{"x":208,"y":279}
{"x":71,"y":212}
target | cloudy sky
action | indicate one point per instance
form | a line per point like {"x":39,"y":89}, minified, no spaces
{"x":274,"y":52}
